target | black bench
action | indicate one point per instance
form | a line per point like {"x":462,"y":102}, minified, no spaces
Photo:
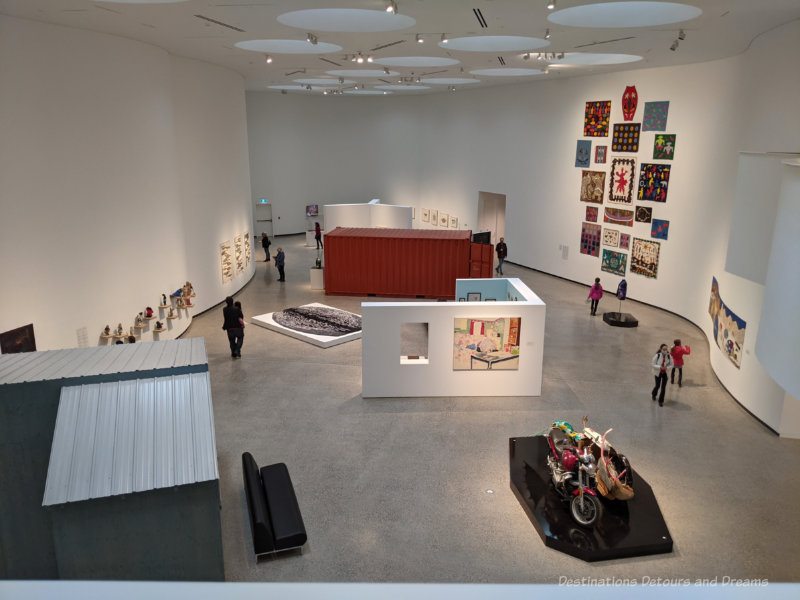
{"x":275,"y":518}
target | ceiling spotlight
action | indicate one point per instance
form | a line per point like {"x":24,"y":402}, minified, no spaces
{"x":451,"y":88}
{"x":551,"y":4}
{"x":308,"y":87}
{"x":385,"y":70}
{"x":561,"y":55}
{"x":444,"y":38}
{"x":310,"y":37}
{"x":416,"y":80}
{"x":674,"y":46}
{"x":391,"y":7}
{"x":356,"y":87}
{"x":545,"y":71}
{"x":359,"y":58}
{"x":325,"y":92}
{"x":681,"y":35}
{"x":539,"y":57}
{"x":547,"y":34}
{"x":268,"y":59}
{"x":419,"y":39}
{"x":369,"y":58}
{"x":341,"y":80}
{"x":526,"y":56}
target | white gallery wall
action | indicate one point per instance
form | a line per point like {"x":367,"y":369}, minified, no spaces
{"x":121,"y":170}
{"x":438,"y":151}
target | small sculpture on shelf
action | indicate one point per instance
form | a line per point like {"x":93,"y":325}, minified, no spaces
{"x":130,"y":332}
{"x":171,"y":314}
{"x":159,"y":327}
{"x":140,"y":320}
{"x":181,"y":303}
{"x":119,"y":329}
{"x":188,"y":289}
{"x":163,"y":299}
{"x":107,"y":330}
{"x":148,"y":313}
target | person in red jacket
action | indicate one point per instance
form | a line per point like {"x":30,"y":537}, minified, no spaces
{"x":678,"y":352}
{"x":595,"y":293}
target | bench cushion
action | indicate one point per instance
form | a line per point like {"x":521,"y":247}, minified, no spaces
{"x":287,"y":522}
{"x":263,"y":538}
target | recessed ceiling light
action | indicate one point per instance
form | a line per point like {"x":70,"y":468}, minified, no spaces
{"x":419,"y":39}
{"x":268,"y":59}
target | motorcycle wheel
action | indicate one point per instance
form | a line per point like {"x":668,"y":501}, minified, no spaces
{"x":585,"y":511}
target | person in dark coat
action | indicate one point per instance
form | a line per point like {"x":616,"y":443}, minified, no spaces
{"x":265,"y":244}
{"x":279,"y":261}
{"x":318,"y":235}
{"x":233,"y":324}
{"x":502,"y":252}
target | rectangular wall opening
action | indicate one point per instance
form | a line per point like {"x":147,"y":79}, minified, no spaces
{"x":413,"y":343}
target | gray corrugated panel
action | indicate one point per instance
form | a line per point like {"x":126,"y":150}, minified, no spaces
{"x":104,"y":361}
{"x":153,"y":358}
{"x":204,"y":441}
{"x":168,"y":356}
{"x":83,"y":449}
{"x":103,"y":459}
{"x":76,"y":360}
{"x":58,"y":473}
{"x":184,"y":431}
{"x":53,"y":361}
{"x":121,"y":360}
{"x":10,"y":362}
{"x":34,"y":359}
{"x":122,"y":480}
{"x":144,"y":436}
{"x":184,"y":353}
{"x":164,"y":434}
{"x":199,"y":356}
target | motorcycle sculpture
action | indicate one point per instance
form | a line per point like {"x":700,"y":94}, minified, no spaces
{"x":583,"y":466}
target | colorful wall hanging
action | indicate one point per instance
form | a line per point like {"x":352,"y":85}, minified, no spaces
{"x":630,"y":100}
{"x":644,"y":257}
{"x":592,"y":185}
{"x":626,"y":137}
{"x":728,"y":328}
{"x":644,"y":214}
{"x":590,"y":239}
{"x":655,"y":116}
{"x":618,"y":216}
{"x":611,"y":237}
{"x":583,"y":153}
{"x":597,"y":116}
{"x":620,"y":187}
{"x":664,"y":146}
{"x":591,"y":213}
{"x":659,"y":229}
{"x":600,"y":154}
{"x":614,"y":262}
{"x":624,"y":240}
{"x":653,"y":182}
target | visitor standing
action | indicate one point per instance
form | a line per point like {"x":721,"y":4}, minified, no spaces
{"x":279,"y":262}
{"x":265,"y":244}
{"x":660,"y":364}
{"x":318,"y":235}
{"x":233,"y":324}
{"x":677,"y":352}
{"x":595,"y":293}
{"x":502,"y":252}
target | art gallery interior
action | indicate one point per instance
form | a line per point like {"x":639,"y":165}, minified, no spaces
{"x":130,"y":162}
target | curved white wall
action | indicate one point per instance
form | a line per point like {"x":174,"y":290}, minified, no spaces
{"x":121,"y":170}
{"x":438,"y":151}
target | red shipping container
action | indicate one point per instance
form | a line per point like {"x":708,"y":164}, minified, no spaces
{"x":481,"y":260}
{"x":396,"y":263}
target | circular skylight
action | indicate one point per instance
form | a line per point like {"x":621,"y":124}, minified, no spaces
{"x":365,"y":92}
{"x":345,"y":20}
{"x":287,"y":47}
{"x":293,"y":87}
{"x":506,"y":72}
{"x":449,"y":80}
{"x":624,"y":14}
{"x":323,"y":81}
{"x":143,"y":1}
{"x":361,"y":73}
{"x":589,"y":58}
{"x":416,"y":61}
{"x":494,"y":43}
{"x":402,"y":88}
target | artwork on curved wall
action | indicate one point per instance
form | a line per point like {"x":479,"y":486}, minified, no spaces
{"x":728,"y":328}
{"x":248,"y":253}
{"x":600,"y":154}
{"x":610,"y":237}
{"x":655,"y":116}
{"x":624,"y":240}
{"x":644,"y":214}
{"x":596,"y":118}
{"x":583,"y":153}
{"x":659,"y":229}
{"x":618,"y":216}
{"x":226,"y":261}
{"x":630,"y":100}
{"x":644,"y":257}
{"x":590,"y":239}
{"x":626,"y":137}
{"x":664,"y":146}
{"x":620,"y":185}
{"x":592,"y":186}
{"x":614,"y":262}
{"x":237,"y":248}
{"x":654,"y":182}
{"x":592,"y":214}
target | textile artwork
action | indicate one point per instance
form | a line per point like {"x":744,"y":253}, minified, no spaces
{"x":583,"y":153}
{"x":664,"y":146}
{"x":728,"y":328}
{"x":592,"y":213}
{"x":659,"y":229}
{"x":644,"y":257}
{"x":611,"y":237}
{"x":644,"y":214}
{"x":600,"y":154}
{"x":592,"y":185}
{"x":618,"y":216}
{"x":614,"y":262}
{"x":620,"y":186}
{"x":653,"y":182}
{"x":486,"y":345}
{"x":590,"y":239}
{"x":630,"y":100}
{"x":595,"y":121}
{"x":655,"y":116}
{"x":625,"y":240}
{"x":626,"y":137}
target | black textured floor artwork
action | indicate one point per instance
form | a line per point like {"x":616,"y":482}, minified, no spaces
{"x":318,"y":320}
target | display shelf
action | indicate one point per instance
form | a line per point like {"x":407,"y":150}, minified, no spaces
{"x":172,"y":316}
{"x":163,"y":306}
{"x":139,"y":326}
{"x":106,"y":337}
{"x":162,"y":330}
{"x":148,"y":318}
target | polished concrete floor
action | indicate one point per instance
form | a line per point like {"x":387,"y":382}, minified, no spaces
{"x":397,"y":490}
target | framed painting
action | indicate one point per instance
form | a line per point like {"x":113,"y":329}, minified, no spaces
{"x":434,"y":216}
{"x":644,"y":257}
{"x":453,"y":222}
{"x":596,"y":118}
{"x":426,"y":215}
{"x":626,"y":137}
{"x":729,"y":329}
{"x":473,"y":296}
{"x":620,"y":185}
{"x":614,"y":262}
{"x":611,"y":237}
{"x":486,"y":344}
{"x":653,"y":182}
{"x":444,"y":219}
{"x":17,"y":340}
{"x":583,"y":153}
{"x":592,"y":185}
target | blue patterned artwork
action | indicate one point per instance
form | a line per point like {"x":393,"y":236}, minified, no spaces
{"x":655,"y":116}
{"x":659,"y":229}
{"x":583,"y":153}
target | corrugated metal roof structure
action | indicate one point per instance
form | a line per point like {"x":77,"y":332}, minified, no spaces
{"x":120,"y":437}
{"x":101,"y":360}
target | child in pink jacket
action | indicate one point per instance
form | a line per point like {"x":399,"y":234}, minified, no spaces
{"x":678,"y":352}
{"x":595,"y":293}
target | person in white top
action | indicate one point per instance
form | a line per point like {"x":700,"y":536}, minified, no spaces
{"x":661,"y":363}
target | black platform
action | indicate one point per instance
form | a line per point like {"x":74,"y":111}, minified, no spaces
{"x":616,"y":319}
{"x":632,"y":528}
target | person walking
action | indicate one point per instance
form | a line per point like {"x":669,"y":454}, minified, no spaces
{"x":279,"y":262}
{"x":502,"y":252}
{"x":233,"y":324}
{"x":265,"y":244}
{"x":660,"y":364}
{"x":677,"y":352}
{"x":318,"y":235}
{"x":595,"y":293}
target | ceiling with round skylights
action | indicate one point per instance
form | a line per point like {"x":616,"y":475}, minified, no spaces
{"x":357,"y":47}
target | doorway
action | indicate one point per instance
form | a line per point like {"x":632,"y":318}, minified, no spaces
{"x":492,"y":214}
